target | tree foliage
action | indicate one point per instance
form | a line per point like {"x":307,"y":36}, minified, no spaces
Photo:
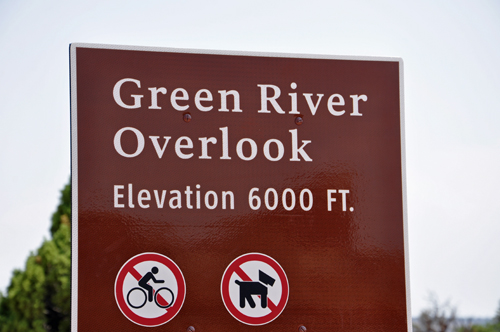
{"x":437,"y":318}
{"x":38,"y":297}
{"x":494,"y":326}
{"x":441,"y":317}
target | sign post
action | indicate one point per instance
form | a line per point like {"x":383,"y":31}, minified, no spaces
{"x":237,"y":191}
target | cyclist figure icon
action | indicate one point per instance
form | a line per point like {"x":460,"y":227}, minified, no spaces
{"x":145,"y":279}
{"x":134,"y":299}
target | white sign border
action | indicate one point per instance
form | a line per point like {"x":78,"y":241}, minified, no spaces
{"x":74,"y":145}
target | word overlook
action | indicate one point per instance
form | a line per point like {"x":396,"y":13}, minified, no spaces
{"x":246,"y":148}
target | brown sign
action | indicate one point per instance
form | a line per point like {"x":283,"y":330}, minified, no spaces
{"x":229,"y":191}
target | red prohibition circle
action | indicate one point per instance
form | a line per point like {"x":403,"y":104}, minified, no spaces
{"x":277,"y":308}
{"x":172,"y":311}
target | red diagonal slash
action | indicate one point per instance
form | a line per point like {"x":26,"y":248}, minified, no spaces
{"x":245,"y":277}
{"x":138,"y":277}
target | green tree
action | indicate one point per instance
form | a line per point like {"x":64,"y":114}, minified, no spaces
{"x":494,"y":326}
{"x":38,"y":297}
{"x":496,"y":319}
{"x":437,"y":318}
{"x":481,"y":328}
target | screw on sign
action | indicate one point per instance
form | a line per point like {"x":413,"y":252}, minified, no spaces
{"x":254,"y":289}
{"x":150,"y":289}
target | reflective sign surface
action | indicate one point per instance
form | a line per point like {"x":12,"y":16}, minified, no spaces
{"x":204,"y":157}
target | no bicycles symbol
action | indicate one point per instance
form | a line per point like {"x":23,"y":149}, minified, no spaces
{"x":254,"y":289}
{"x":150,"y":289}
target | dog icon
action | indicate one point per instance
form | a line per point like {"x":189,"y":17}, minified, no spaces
{"x":249,"y":288}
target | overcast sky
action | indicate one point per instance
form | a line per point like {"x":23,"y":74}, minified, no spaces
{"x":451,"y":54}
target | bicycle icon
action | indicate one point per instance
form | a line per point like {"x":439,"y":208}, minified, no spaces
{"x":137,"y":297}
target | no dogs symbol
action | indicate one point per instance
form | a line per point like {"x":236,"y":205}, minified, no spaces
{"x":150,"y":289}
{"x":254,"y":289}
